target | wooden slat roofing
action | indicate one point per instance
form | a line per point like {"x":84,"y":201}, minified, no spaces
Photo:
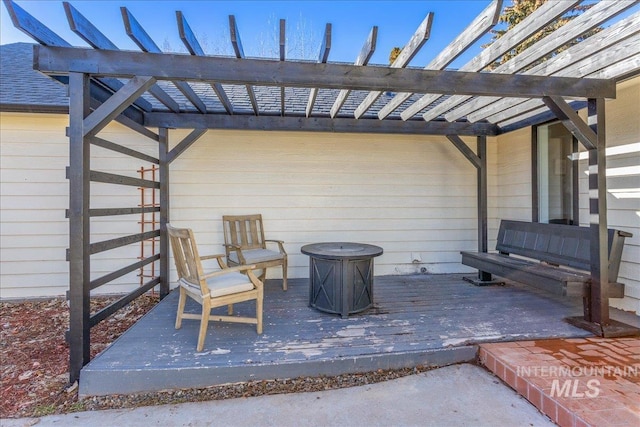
{"x":200,"y":91}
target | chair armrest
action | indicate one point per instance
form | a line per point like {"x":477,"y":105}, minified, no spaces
{"x":224,"y":271}
{"x":212,"y":256}
{"x":238,"y":250}
{"x":280,"y":245}
{"x":218,"y":257}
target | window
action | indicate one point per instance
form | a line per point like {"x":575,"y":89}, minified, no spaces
{"x":555,"y":192}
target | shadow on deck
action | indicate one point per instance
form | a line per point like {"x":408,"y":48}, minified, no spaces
{"x":432,"y":320}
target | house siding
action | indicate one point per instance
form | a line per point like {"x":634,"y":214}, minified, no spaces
{"x":413,"y":195}
{"x":622,"y":128}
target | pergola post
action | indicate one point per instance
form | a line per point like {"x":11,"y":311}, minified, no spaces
{"x":483,"y":245}
{"x":163,"y":156}
{"x":598,"y":300}
{"x":79,"y":226}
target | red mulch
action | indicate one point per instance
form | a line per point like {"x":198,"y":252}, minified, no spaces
{"x":35,"y":356}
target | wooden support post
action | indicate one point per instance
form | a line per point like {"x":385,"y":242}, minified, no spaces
{"x":79,"y":226}
{"x":163,"y":148}
{"x":596,"y":301}
{"x":599,"y":301}
{"x":483,"y":245}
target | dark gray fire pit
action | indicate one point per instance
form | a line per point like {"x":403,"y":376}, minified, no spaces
{"x":341,"y":276}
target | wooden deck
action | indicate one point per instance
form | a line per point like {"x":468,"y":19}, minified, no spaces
{"x":426,"y":319}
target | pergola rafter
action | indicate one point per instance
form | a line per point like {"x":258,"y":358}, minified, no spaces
{"x":107,"y":84}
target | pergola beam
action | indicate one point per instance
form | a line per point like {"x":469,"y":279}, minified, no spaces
{"x":146,"y":44}
{"x":572,"y":121}
{"x":418,"y":39}
{"x":363,"y":59}
{"x":486,"y":20}
{"x":193,"y":46}
{"x":59,"y":60}
{"x":583,"y":23}
{"x":323,"y":56}
{"x":465,"y":150}
{"x":239,"y":51}
{"x":316,"y":124}
{"x":516,"y":35}
{"x":184,"y":144}
{"x":116,"y":104}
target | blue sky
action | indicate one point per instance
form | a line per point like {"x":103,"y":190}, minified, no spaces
{"x":257,"y":20}
{"x":258,"y":24}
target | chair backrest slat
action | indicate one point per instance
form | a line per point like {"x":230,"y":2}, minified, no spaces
{"x":245,"y":231}
{"x":186,"y":257}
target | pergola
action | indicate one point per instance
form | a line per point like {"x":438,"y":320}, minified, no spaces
{"x":150,"y":89}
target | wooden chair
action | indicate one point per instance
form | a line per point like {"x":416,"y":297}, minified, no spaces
{"x":245,"y":244}
{"x":224,"y":287}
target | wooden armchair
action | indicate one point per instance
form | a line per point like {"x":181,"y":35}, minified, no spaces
{"x":224,"y":287}
{"x":245,"y":244}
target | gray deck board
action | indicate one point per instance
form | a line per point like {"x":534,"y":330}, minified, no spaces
{"x":425,"y":319}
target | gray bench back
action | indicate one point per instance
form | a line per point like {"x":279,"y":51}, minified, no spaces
{"x":566,"y":245}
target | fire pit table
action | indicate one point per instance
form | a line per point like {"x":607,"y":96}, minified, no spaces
{"x":341,"y":276}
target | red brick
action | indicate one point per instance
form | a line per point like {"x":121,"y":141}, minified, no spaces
{"x":550,"y":407}
{"x":582,"y":423}
{"x":535,"y":396}
{"x":565,"y":417}
{"x":510,"y":378}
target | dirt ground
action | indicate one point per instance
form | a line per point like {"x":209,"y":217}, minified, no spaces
{"x":35,"y":356}
{"x":34,"y":364}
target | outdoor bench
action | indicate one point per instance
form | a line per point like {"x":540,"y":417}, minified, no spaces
{"x":552,"y":257}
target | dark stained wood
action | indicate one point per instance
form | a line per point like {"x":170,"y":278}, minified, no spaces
{"x":409,"y":50}
{"x":322,"y":58}
{"x":572,"y":121}
{"x":100,"y":142}
{"x":123,"y":302}
{"x":609,"y":46}
{"x":595,"y":16}
{"x":599,"y":259}
{"x":282,"y":56}
{"x":88,"y":32}
{"x":184,"y":144}
{"x":163,"y":176}
{"x":51,"y":60}
{"x":237,"y":48}
{"x":103,"y":280}
{"x":79,"y":227}
{"x":110,"y":178}
{"x":465,"y":150}
{"x":121,"y":211}
{"x":146,"y":44}
{"x":193,"y":46}
{"x":29,"y":25}
{"x":416,"y":320}
{"x":118,"y":242}
{"x":542,"y":16}
{"x":486,"y":20}
{"x":363,"y":59}
{"x":116,"y":104}
{"x":317,"y":124}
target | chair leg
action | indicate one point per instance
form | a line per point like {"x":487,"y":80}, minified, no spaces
{"x":284,"y":275}
{"x":230,"y":309}
{"x":181,"y":303}
{"x":259,"y":309}
{"x":204,"y":323}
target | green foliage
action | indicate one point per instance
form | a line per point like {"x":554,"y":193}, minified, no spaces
{"x":518,"y":11}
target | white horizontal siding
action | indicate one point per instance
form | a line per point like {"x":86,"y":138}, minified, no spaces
{"x":406,"y":194}
{"x":34,"y":196}
{"x":622,"y":128}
